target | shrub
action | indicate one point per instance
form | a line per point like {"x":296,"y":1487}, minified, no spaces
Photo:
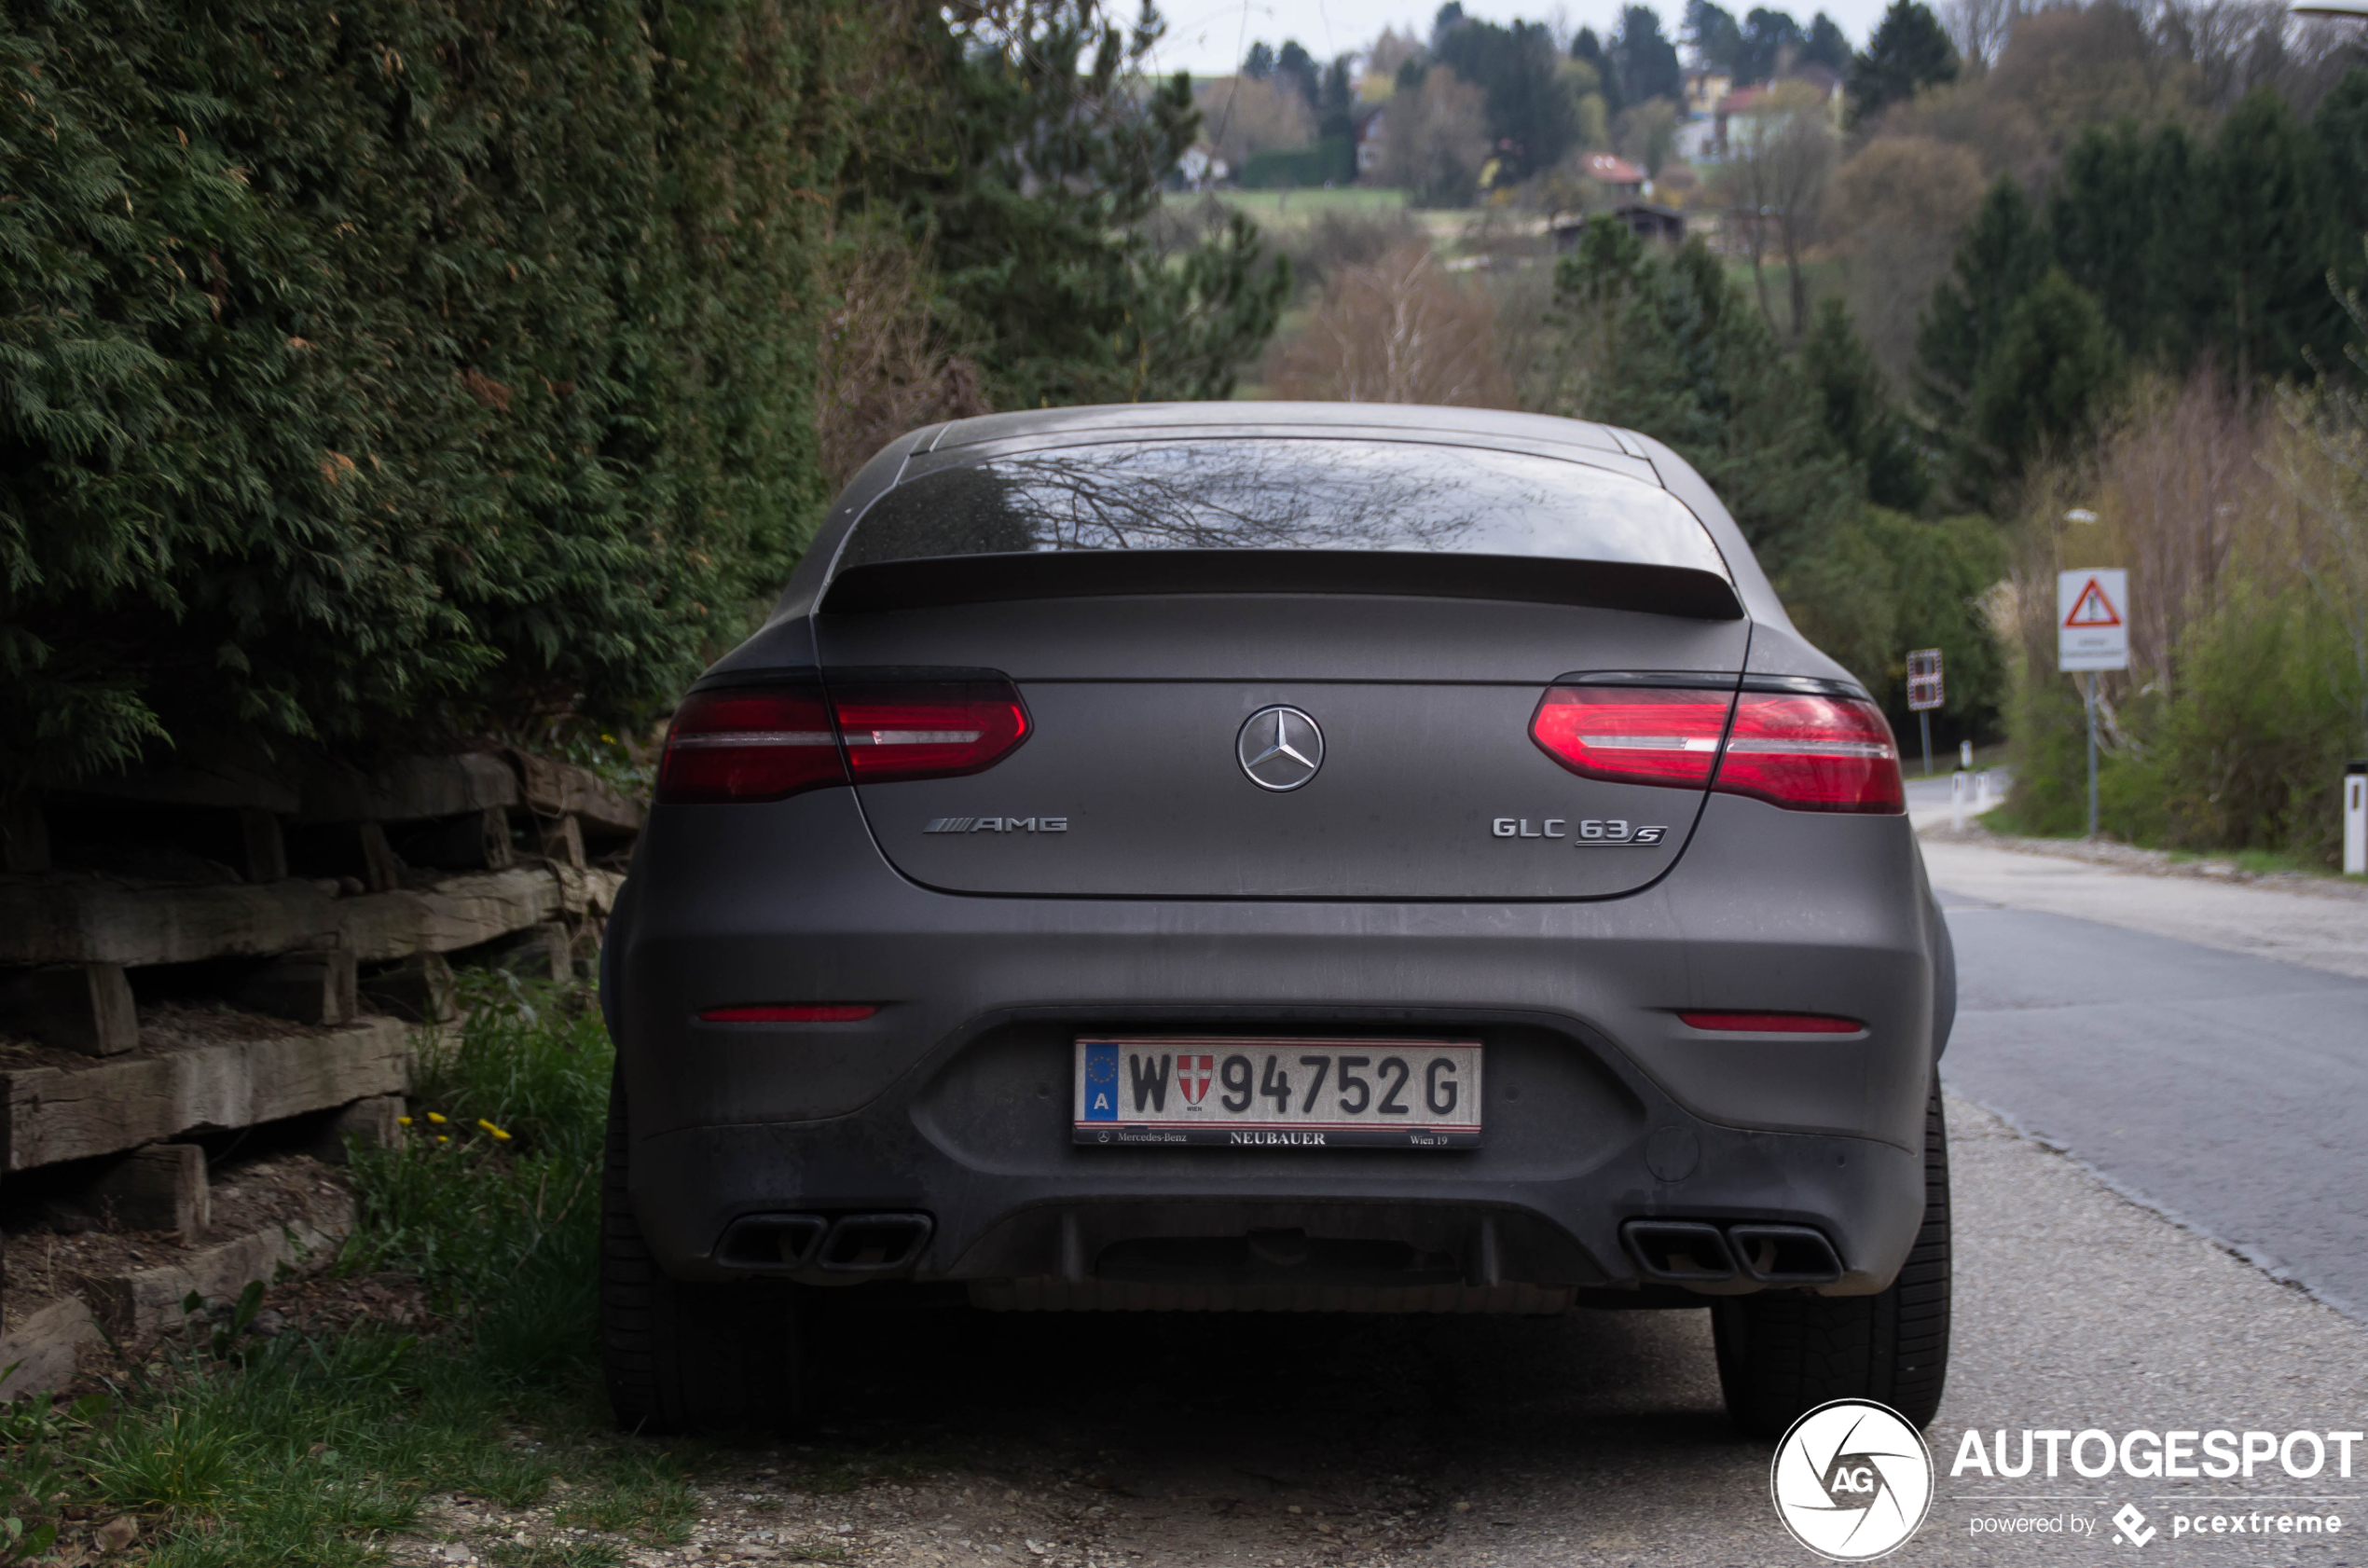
{"x":2248,"y":685}
{"x":352,"y":363}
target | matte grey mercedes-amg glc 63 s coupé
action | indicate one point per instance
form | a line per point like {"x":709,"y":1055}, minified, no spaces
{"x":1278,"y":857}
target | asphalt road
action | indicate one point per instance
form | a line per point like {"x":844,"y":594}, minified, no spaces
{"x":2214,"y":1082}
{"x":2231,"y":1091}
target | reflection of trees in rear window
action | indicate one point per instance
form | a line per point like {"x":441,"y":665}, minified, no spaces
{"x":1278,"y":494}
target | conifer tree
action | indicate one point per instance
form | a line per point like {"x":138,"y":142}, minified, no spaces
{"x":1909,"y":49}
{"x":2002,"y":255}
{"x":1858,"y":411}
{"x":1026,"y":185}
{"x":2265,"y":211}
{"x":2043,"y":386}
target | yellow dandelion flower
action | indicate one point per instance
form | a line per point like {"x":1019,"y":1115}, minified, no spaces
{"x":403,"y":1121}
{"x":441,"y":1138}
{"x":499,"y":1134}
{"x":436,"y":1118}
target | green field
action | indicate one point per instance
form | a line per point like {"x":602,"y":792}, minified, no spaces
{"x":1279,"y":208}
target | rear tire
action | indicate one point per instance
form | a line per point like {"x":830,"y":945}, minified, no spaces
{"x":1781,"y":1354}
{"x":686,"y":1356}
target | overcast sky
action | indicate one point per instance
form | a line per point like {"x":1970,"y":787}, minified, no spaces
{"x":1207,"y":37}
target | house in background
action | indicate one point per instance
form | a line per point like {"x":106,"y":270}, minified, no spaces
{"x":1647,"y":220}
{"x":1705,"y":86}
{"x":1367,"y":128}
{"x":1739,"y":113}
{"x":1615,"y":174}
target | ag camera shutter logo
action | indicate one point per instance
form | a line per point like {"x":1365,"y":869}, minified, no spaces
{"x":1852,"y":1480}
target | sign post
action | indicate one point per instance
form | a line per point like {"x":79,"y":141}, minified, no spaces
{"x":2092,"y":633}
{"x":1924,"y":695}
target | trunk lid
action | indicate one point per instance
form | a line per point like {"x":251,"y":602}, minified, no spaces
{"x":1132,"y":783}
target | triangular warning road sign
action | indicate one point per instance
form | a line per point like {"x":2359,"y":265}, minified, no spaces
{"x":2093,"y":608}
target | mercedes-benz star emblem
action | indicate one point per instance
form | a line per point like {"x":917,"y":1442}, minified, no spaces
{"x":1280,"y":748}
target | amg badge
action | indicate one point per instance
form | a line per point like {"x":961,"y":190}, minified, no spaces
{"x":997,"y":825}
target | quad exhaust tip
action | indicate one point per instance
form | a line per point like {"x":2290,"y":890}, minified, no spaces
{"x":852,"y":1243}
{"x":1695,"y":1252}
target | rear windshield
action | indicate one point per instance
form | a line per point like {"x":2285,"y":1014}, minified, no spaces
{"x":1282,"y":494}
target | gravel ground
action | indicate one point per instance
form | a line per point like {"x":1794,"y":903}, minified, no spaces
{"x":961,"y":1436}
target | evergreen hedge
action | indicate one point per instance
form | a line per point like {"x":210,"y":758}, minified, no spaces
{"x":356,"y":359}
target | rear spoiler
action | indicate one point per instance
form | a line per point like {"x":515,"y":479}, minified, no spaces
{"x":922,"y":585}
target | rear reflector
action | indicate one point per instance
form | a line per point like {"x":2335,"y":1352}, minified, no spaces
{"x":748,"y":744}
{"x":1812,"y":753}
{"x":936,"y":731}
{"x":824,"y":1012}
{"x":1800,"y":752}
{"x":1773,"y":1023}
{"x":1632,"y":735}
{"x":766,"y":743}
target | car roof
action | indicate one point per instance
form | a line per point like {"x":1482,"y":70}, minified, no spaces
{"x":1279,"y":418}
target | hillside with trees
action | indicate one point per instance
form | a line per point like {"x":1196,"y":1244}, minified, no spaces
{"x":1937,"y":291}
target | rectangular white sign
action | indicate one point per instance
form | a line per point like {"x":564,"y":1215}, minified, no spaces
{"x":2092,"y":619}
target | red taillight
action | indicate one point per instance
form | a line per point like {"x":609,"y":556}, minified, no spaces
{"x":766,"y":743}
{"x":1773,"y":1023}
{"x":1801,"y":751}
{"x":748,"y":744}
{"x":802,"y":1012}
{"x":1811,"y":753}
{"x":927,"y":731}
{"x":1632,"y":735}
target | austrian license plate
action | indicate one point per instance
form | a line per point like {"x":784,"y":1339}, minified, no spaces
{"x":1266,"y":1093}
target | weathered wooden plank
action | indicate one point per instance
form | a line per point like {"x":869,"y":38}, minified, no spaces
{"x":309,"y":988}
{"x":61,"y":1113}
{"x":92,"y":919}
{"x":418,"y":988}
{"x":459,"y":911}
{"x":66,"y":919}
{"x":75,"y":1007}
{"x":553,"y":788}
{"x":411,"y":788}
{"x":562,"y":840}
{"x":159,"y":1187}
{"x":143,"y":1302}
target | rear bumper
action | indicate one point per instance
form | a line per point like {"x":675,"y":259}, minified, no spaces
{"x":952,"y":1102}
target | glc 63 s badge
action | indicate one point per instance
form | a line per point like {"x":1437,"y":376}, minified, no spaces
{"x":1585,"y":833}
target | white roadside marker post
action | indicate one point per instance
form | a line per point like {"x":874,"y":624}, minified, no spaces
{"x":1957,"y":800}
{"x":2356,"y":817}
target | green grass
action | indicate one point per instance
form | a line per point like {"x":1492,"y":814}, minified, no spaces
{"x":2260,"y":862}
{"x":233,"y":1450}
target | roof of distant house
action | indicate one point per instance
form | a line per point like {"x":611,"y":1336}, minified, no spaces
{"x":1612,"y":171}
